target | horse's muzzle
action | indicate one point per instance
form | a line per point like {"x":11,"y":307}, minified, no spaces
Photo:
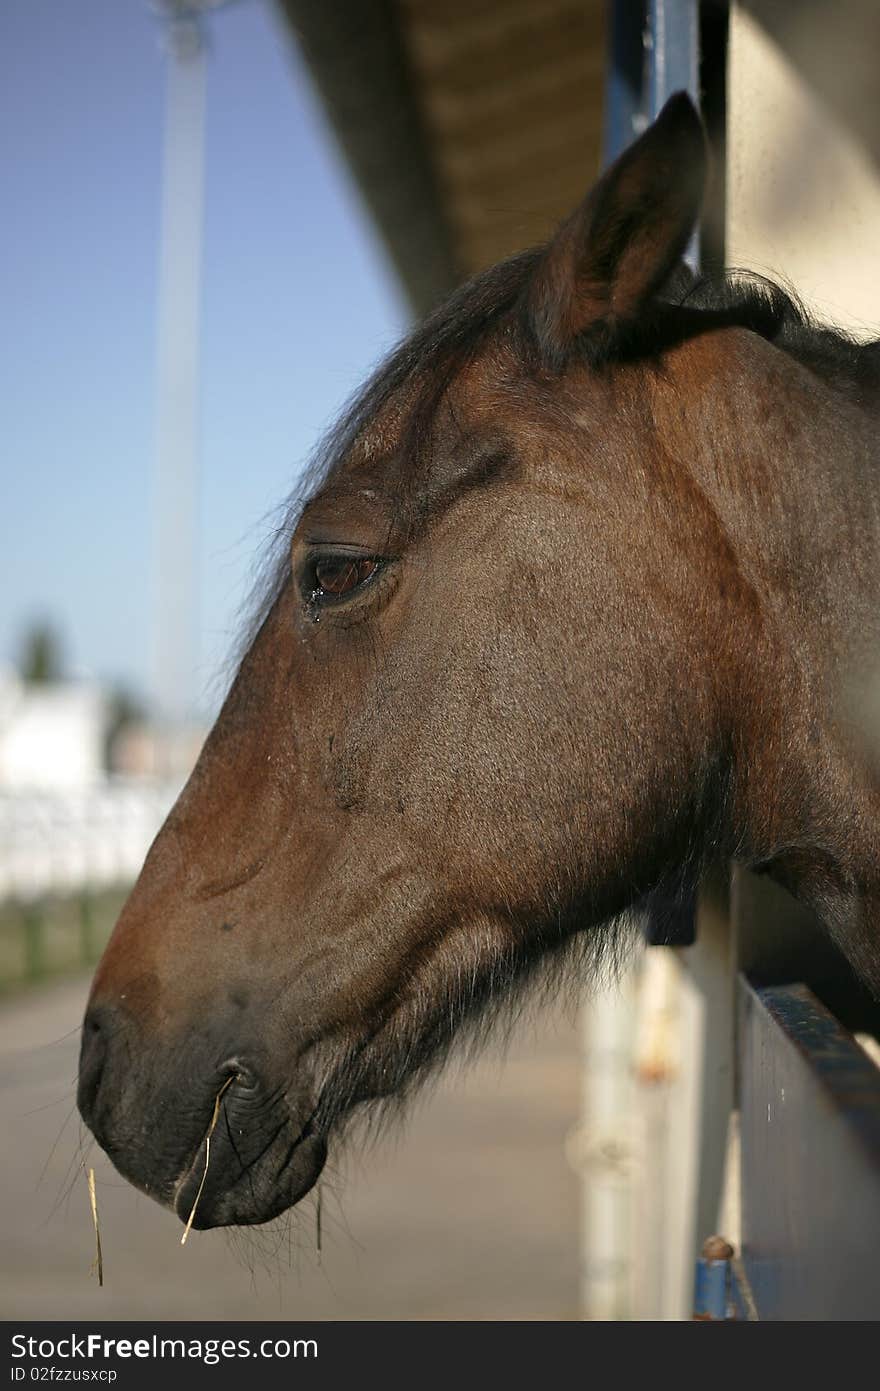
{"x":196,"y":1125}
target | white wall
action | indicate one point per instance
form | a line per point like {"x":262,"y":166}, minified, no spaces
{"x":803,"y":156}
{"x":50,"y":736}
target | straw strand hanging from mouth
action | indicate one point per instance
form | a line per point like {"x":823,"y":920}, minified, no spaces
{"x":98,"y":1262}
{"x":211,"y":1128}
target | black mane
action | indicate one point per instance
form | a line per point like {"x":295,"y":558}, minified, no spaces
{"x":749,"y":300}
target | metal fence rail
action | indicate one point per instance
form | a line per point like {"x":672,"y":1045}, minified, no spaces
{"x":810,"y":1099}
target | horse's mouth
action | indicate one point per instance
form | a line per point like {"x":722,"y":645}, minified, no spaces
{"x":253,"y":1164}
{"x":227,"y":1149}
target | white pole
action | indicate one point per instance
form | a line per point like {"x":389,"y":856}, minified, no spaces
{"x":177,"y":429}
{"x":602,"y":1150}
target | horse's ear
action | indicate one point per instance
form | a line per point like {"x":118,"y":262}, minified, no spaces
{"x":613,"y":253}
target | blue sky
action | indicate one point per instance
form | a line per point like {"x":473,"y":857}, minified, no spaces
{"x":298,"y":302}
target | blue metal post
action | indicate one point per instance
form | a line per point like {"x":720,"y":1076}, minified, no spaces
{"x":712,"y":1297}
{"x":675,"y":51}
{"x":625,"y":106}
{"x":674,"y":39}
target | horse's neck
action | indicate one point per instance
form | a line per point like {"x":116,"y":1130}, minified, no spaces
{"x":792,"y":469}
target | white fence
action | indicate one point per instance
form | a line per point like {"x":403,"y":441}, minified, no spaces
{"x":66,"y":842}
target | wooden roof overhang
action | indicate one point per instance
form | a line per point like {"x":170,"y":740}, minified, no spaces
{"x":471,"y":126}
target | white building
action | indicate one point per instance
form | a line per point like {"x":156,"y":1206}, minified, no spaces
{"x":51,"y":736}
{"x":65,"y":825}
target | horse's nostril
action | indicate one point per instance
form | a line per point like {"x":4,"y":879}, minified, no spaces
{"x":98,"y":1021}
{"x":245,"y":1079}
{"x":96,"y":1032}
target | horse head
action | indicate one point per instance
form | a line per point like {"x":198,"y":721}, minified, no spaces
{"x":516,"y":672}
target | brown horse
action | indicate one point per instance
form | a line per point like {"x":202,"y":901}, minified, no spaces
{"x":584,"y":595}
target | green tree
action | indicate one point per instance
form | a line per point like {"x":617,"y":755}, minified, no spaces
{"x":41,"y":658}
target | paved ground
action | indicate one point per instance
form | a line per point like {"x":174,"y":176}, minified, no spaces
{"x":471,"y":1212}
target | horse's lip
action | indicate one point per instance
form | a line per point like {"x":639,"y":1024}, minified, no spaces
{"x":234,"y":1205}
{"x":200,"y":1162}
{"x":206,"y":1191}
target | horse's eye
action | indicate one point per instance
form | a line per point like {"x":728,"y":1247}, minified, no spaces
{"x":336,"y":576}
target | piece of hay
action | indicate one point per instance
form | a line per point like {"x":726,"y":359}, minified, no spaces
{"x":214,"y":1119}
{"x":318,"y":1224}
{"x":98,"y":1263}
